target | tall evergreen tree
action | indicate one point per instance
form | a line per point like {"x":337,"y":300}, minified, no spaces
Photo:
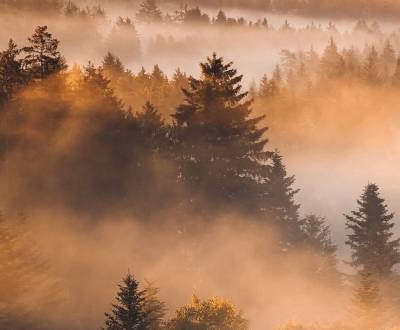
{"x":371,"y":239}
{"x":42,"y":56}
{"x":128,"y":313}
{"x":280,"y":202}
{"x":220,"y":148}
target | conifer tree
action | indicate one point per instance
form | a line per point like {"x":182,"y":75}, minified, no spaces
{"x":281,"y":205}
{"x":374,"y":251}
{"x":42,"y":56}
{"x":149,"y":12}
{"x":128,"y":313}
{"x":220,"y":147}
{"x":11,"y":74}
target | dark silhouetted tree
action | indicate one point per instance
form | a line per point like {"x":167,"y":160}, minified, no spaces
{"x":42,"y":56}
{"x":11,"y":74}
{"x":220,"y":147}
{"x":280,"y":203}
{"x":374,"y":250}
{"x":128,"y":313}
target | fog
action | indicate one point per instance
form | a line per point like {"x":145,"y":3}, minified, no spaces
{"x":335,"y":141}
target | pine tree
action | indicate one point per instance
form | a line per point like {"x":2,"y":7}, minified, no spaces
{"x":220,"y":148}
{"x":42,"y":56}
{"x":371,"y":239}
{"x":281,"y":205}
{"x":149,"y":12}
{"x":11,"y":74}
{"x":128,"y":313}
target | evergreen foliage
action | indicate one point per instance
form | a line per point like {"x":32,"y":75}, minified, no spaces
{"x":128,"y":313}
{"x":42,"y":56}
{"x":374,"y":250}
{"x":220,"y":146}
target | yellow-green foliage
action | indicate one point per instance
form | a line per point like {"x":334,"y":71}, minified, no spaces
{"x":214,"y":313}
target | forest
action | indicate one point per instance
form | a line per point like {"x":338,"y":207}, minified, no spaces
{"x":181,"y":167}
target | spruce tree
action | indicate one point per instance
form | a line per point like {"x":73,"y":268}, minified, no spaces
{"x":219,"y":145}
{"x":149,"y":12}
{"x":128,"y":313}
{"x":42,"y":56}
{"x":374,"y":250}
{"x":280,"y":203}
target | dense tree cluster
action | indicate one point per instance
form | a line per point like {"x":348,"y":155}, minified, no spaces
{"x":94,"y":138}
{"x":300,"y":72}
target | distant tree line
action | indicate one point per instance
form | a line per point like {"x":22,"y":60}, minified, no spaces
{"x":299,"y":72}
